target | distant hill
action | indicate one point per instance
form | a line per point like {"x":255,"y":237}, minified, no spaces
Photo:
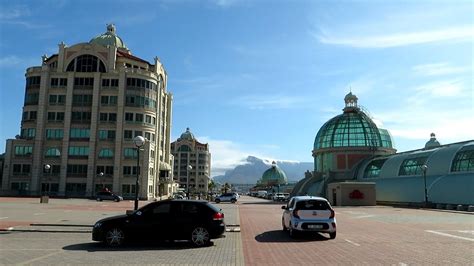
{"x":253,"y":168}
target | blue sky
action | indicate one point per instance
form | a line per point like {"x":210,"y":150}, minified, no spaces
{"x":261,"y":77}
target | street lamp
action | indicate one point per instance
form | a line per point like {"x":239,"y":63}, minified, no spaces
{"x":139,"y":141}
{"x":424,"y":168}
{"x":101,"y":174}
{"x":189,"y":168}
{"x":47,"y":168}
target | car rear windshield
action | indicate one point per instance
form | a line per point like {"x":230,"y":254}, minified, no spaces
{"x":214,"y":208}
{"x":312,"y":205}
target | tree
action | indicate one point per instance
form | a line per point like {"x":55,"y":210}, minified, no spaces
{"x":211,"y":186}
{"x":226,"y":187}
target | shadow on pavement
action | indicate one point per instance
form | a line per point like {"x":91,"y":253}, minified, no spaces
{"x":266,"y":203}
{"x":98,"y":247}
{"x":281,"y":236}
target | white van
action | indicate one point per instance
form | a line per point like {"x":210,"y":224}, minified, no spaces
{"x":262,"y":193}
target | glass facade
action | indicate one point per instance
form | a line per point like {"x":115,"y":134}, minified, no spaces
{"x":463,"y":161}
{"x":373,"y":169}
{"x":351,"y":129}
{"x":412,"y":166}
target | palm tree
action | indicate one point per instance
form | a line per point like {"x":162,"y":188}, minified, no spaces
{"x":227,"y":186}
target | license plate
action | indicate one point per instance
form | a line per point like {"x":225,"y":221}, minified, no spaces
{"x":315,"y":226}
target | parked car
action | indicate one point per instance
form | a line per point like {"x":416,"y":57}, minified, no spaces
{"x":309,"y":214}
{"x":279,"y":197}
{"x":194,"y":220}
{"x":226,"y":197}
{"x":107,"y":195}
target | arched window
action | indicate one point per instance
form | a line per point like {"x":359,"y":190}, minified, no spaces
{"x":53,"y":152}
{"x":106,"y":153}
{"x":373,"y":169}
{"x":184,"y":148}
{"x":463,"y":162}
{"x":86,"y":63}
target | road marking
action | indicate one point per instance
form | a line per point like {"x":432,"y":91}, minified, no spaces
{"x":39,"y":213}
{"x":1,"y":218}
{"x":364,"y":216}
{"x":353,"y":243}
{"x":449,"y":235}
{"x":40,"y":258}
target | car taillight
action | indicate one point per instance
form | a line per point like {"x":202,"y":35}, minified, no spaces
{"x":295,"y":214}
{"x":218,"y":216}
{"x":332,"y":214}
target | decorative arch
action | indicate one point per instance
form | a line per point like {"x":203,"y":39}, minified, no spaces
{"x":184,"y":148}
{"x":106,"y":153}
{"x":86,"y":63}
{"x":53,"y":152}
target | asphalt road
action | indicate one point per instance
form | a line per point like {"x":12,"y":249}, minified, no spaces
{"x":366,"y":235}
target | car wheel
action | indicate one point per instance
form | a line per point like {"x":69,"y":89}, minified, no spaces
{"x":283,"y":224}
{"x":218,"y":200}
{"x":332,"y":235}
{"x":291,"y":231}
{"x":99,"y":199}
{"x":200,"y":237}
{"x":114,"y":237}
{"x":116,"y":200}
{"x":233,"y":200}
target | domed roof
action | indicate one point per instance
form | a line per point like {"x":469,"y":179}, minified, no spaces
{"x":187,"y":135}
{"x":110,"y":38}
{"x":274,"y":176}
{"x":353,"y":128}
{"x":432,"y":143}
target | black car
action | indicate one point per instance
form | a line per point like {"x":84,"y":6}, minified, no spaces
{"x":194,"y":220}
{"x":107,"y":195}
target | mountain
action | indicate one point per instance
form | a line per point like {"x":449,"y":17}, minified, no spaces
{"x":253,"y":169}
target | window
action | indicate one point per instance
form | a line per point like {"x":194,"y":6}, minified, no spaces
{"x":52,"y":152}
{"x":127,"y":134}
{"x":21,"y":169}
{"x":82,"y":100}
{"x":33,"y":82}
{"x":57,"y":99}
{"x":128,"y":116}
{"x":80,"y":134}
{"x":31,"y":99}
{"x":108,"y":100}
{"x":77,"y":169}
{"x":86,"y":63}
{"x":78,"y":151}
{"x":129,"y":170}
{"x":106,"y":153}
{"x":83,"y":83}
{"x":23,"y":150}
{"x":463,"y":161}
{"x":140,"y":101}
{"x":106,"y":170}
{"x":81,"y":117}
{"x":147,"y":135}
{"x":130,"y":153}
{"x":58,"y":82}
{"x":138,"y":133}
{"x":107,"y":134}
{"x":373,"y":169}
{"x":412,"y":166}
{"x":139,"y":117}
{"x":28,"y":133}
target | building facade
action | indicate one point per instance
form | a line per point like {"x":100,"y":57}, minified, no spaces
{"x":83,"y":107}
{"x":192,"y":164}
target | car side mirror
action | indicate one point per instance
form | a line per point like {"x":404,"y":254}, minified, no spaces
{"x":283,"y":207}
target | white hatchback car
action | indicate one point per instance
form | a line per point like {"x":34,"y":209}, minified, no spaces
{"x":309,"y":214}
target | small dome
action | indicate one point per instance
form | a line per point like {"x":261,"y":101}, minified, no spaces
{"x":110,"y":38}
{"x":187,"y":135}
{"x":353,"y":128}
{"x":274,"y":176}
{"x":432,"y":143}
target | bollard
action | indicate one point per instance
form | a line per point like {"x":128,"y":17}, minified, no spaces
{"x":44,"y":199}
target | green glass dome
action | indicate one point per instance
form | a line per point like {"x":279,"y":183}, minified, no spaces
{"x":187,"y":135}
{"x":353,"y":128}
{"x":110,"y":38}
{"x":274,"y":176}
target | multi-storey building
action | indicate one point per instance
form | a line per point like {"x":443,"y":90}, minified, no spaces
{"x":83,"y":107}
{"x":192,"y":163}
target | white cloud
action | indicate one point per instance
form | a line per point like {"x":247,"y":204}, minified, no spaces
{"x":462,"y":33}
{"x":438,"y":89}
{"x":438,"y":69}
{"x":10,"y":60}
{"x":14,"y":12}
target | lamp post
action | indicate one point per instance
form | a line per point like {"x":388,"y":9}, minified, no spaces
{"x":424,"y":168}
{"x":139,"y":141}
{"x":101,"y":174}
{"x":47,"y":168}
{"x":189,"y":168}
